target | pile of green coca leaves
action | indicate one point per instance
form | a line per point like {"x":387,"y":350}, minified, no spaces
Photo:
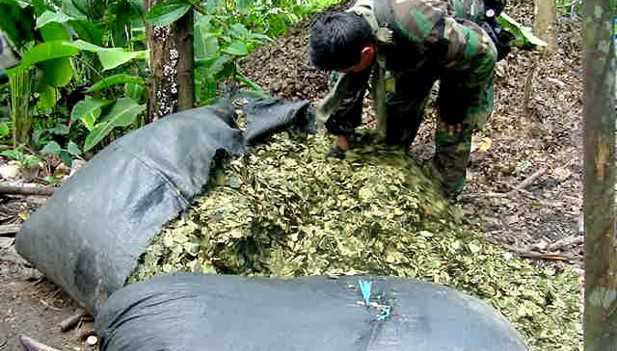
{"x":284,"y":210}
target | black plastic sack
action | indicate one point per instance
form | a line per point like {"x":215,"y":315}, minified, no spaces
{"x":283,"y":116}
{"x":90,"y":234}
{"x":191,"y":312}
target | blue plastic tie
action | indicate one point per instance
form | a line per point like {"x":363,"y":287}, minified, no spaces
{"x":385,"y":314}
{"x":365,"y":288}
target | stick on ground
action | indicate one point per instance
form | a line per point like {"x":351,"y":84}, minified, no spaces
{"x":18,"y":190}
{"x":30,"y":344}
{"x":9,"y":229}
{"x":72,"y":321}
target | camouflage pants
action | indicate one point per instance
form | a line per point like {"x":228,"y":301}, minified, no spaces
{"x":465,"y":98}
{"x":458,"y":104}
{"x":402,"y":112}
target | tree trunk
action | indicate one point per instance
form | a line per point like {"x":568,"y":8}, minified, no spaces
{"x":600,"y":318}
{"x":545,"y":22}
{"x":172,"y":87}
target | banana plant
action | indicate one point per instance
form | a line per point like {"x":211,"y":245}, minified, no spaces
{"x":48,"y":49}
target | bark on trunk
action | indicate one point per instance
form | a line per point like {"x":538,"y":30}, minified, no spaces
{"x":172,"y":86}
{"x":545,"y":22}
{"x":600,"y":318}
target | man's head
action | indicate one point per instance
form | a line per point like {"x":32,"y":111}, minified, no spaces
{"x":342,"y":42}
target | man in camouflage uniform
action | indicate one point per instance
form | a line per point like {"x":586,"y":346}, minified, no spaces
{"x":399,"y":48}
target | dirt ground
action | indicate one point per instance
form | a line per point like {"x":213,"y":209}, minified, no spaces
{"x":524,"y":190}
{"x":30,"y":304}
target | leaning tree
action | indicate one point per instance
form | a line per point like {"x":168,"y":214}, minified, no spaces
{"x":600,"y":318}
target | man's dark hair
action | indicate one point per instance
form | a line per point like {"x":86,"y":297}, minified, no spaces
{"x":337,"y":39}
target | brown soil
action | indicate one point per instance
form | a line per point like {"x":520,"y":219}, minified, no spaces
{"x":33,"y":306}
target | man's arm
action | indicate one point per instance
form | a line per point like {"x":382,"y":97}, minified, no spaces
{"x":466,"y":89}
{"x":341,"y":110}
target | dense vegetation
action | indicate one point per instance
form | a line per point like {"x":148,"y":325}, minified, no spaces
{"x":84,"y":72}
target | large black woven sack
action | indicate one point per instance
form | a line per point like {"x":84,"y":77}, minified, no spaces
{"x":196,"y":312}
{"x":90,"y":234}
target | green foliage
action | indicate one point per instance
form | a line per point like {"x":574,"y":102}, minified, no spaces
{"x":25,"y":160}
{"x":65,"y":41}
{"x":66,"y":155}
{"x":88,"y":111}
{"x":5,"y":130}
{"x":123,"y":114}
{"x":116,"y":79}
{"x":569,"y":7}
{"x":227,"y":31}
{"x":17,"y":21}
{"x":84,"y":55}
{"x":219,"y":43}
{"x":523,"y":36}
{"x":166,"y":12}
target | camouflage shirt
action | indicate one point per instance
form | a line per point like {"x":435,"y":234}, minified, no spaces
{"x":414,"y":36}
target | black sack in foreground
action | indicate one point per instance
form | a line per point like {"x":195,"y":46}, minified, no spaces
{"x":90,"y":234}
{"x":193,"y":312}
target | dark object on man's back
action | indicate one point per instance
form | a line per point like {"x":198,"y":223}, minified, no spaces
{"x":501,"y":37}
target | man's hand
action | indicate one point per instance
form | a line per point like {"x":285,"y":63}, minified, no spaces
{"x":341,"y":145}
{"x":342,"y":141}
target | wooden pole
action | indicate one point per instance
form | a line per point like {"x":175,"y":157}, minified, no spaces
{"x":600,"y":317}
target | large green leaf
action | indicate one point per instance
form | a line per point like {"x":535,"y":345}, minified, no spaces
{"x":20,"y":4}
{"x":52,"y":148}
{"x":167,"y":12}
{"x":115,"y":80}
{"x":524,"y":36}
{"x":206,"y":45}
{"x":214,"y":66}
{"x":51,"y":17}
{"x":112,"y":58}
{"x":48,"y":96}
{"x":88,"y":31}
{"x":123,"y":114}
{"x":135,"y":91}
{"x":57,"y":72}
{"x":47,"y":51}
{"x":68,"y":6}
{"x":73,"y":149}
{"x":40,"y":6}
{"x":55,"y":31}
{"x":85,"y":30}
{"x":239,"y":31}
{"x":86,"y":46}
{"x":88,"y":111}
{"x":237,"y":48}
